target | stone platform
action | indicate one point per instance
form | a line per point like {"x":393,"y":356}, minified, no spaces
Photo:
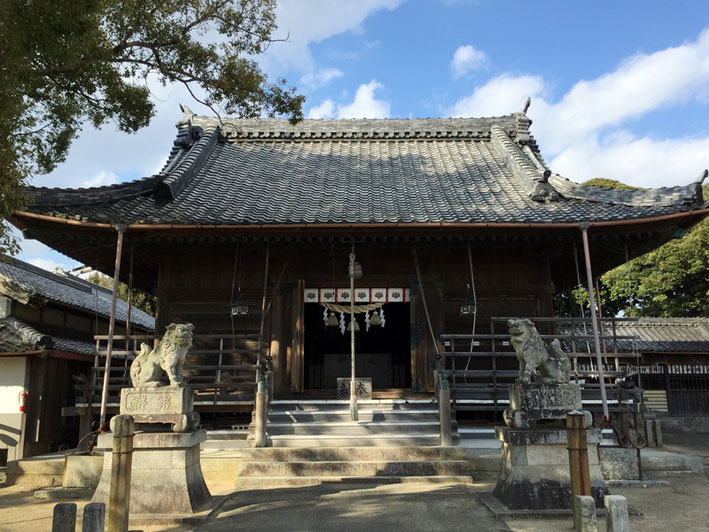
{"x":534,"y":474}
{"x":166,"y":475}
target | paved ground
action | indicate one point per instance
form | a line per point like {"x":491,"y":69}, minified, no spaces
{"x":356,"y":507}
{"x":682,"y":505}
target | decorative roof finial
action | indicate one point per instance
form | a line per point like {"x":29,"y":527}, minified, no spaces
{"x":187,"y":116}
{"x":526,"y":105}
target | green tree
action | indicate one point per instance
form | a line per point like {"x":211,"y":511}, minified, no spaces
{"x":68,"y":63}
{"x":140,"y":299}
{"x":671,"y":281}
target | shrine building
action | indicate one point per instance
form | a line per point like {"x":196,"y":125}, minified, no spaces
{"x":247,"y":233}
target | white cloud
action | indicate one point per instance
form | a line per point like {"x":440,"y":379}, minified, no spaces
{"x":313,"y":22}
{"x":320,"y":78}
{"x":499,"y":96}
{"x":365,"y":105}
{"x":46,"y":264}
{"x":324,"y":110}
{"x":582,"y":133}
{"x":466,"y":59}
{"x":641,"y":162}
{"x":100,"y":179}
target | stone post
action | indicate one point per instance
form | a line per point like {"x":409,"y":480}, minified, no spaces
{"x":444,"y":411}
{"x":578,"y":453}
{"x":64,"y":517}
{"x":584,"y":514}
{"x":616,"y":513}
{"x":94,"y":517}
{"x":261,"y":413}
{"x":119,"y":498}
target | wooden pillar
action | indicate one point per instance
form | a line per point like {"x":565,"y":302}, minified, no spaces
{"x":298,"y":343}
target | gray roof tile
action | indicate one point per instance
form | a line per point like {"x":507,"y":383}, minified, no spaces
{"x":267,"y":171}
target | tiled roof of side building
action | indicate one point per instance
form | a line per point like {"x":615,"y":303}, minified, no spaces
{"x":21,"y":280}
{"x":651,"y":335}
{"x":17,"y":337}
{"x":458,"y":170}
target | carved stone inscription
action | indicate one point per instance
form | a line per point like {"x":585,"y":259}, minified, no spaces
{"x":545,"y":397}
{"x":149,"y":401}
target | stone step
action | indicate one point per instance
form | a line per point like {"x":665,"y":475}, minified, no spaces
{"x":353,"y":468}
{"x":372,"y":454}
{"x":254,"y":483}
{"x":329,"y":416}
{"x":371,"y":440}
{"x":350,"y":428}
{"x":362,"y":406}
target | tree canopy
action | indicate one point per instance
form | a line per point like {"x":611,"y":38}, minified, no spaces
{"x":66,"y":64}
{"x":671,"y":281}
{"x":140,"y":299}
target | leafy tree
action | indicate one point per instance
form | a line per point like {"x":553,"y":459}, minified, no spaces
{"x":671,"y":281}
{"x":140,"y":299}
{"x":67,"y":63}
{"x":603,"y":182}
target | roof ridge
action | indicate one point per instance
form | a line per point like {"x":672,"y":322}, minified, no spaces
{"x":530,"y":176}
{"x":177,"y":176}
{"x":363,"y":128}
{"x":687,"y":194}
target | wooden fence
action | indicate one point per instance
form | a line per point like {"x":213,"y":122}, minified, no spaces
{"x":481,"y":367}
{"x":221,"y":369}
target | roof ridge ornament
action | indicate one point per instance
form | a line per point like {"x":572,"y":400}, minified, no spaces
{"x":522,"y":124}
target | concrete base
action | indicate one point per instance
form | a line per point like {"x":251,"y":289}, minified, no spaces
{"x":166,"y":475}
{"x":534,"y":474}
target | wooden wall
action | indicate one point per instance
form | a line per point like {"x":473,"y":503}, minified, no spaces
{"x":195,"y":285}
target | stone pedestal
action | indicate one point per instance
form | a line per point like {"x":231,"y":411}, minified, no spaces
{"x":165,"y":404}
{"x":535,"y":401}
{"x":166,"y":476}
{"x":534,"y":474}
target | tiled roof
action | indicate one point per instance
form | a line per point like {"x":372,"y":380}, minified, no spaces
{"x":462,"y":170}
{"x":22,"y":281}
{"x":656,"y":335}
{"x":17,"y":337}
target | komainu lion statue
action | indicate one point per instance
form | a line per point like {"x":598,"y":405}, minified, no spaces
{"x":537,"y":361}
{"x":169,"y":355}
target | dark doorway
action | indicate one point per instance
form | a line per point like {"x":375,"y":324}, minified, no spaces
{"x":383,"y":353}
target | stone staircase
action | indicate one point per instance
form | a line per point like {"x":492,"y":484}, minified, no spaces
{"x":311,"y":442}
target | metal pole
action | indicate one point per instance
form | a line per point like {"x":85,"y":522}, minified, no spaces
{"x":353,"y":391}
{"x":121,"y":228}
{"x":594,"y":319}
{"x":130,"y":297}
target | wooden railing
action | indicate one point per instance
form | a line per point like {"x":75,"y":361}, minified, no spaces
{"x":480,"y":367}
{"x":222,"y":369}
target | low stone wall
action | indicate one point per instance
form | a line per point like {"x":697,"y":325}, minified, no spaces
{"x":684,"y":423}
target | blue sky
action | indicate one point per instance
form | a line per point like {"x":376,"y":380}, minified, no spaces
{"x":619,"y":89}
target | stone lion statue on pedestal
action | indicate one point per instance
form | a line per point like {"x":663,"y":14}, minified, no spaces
{"x":537,"y":361}
{"x":168,"y":356}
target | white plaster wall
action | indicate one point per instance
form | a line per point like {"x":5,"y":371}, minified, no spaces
{"x":12,"y":381}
